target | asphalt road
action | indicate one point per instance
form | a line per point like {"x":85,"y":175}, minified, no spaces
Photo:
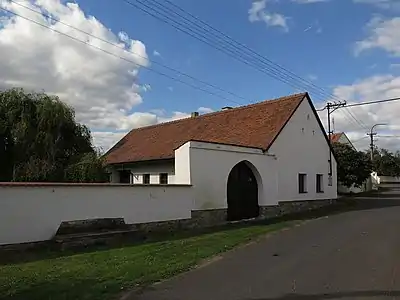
{"x":352,"y":255}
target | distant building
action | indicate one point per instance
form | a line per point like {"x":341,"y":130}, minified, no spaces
{"x":342,"y":138}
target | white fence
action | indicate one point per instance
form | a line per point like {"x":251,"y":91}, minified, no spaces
{"x":389,"y":179}
{"x":33,"y":212}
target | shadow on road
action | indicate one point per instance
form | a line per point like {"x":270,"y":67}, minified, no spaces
{"x":377,"y":201}
{"x":333,"y":295}
{"x":371,"y":203}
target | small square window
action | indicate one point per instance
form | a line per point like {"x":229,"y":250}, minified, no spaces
{"x":319,"y":183}
{"x":163,"y":178}
{"x":302,"y":183}
{"x":146,"y":178}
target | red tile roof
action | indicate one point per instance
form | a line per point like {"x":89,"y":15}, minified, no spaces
{"x":255,"y":125}
{"x":335,"y":137}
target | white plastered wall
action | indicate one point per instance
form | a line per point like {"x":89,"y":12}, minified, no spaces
{"x":302,"y":147}
{"x":30,"y":213}
{"x":209,"y":168}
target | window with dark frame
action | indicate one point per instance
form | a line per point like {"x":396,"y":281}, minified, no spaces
{"x":164,"y":178}
{"x":302,"y":183}
{"x":320,"y":183}
{"x":146,"y":178}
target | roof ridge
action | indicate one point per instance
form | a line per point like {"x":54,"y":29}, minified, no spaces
{"x":220,"y":111}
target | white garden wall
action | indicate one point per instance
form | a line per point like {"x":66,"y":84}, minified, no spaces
{"x":33,"y":212}
{"x":389,"y":179}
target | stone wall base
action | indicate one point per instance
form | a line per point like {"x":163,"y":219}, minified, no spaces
{"x":199,"y":219}
{"x":207,"y":218}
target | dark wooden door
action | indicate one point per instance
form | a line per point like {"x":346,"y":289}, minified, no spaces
{"x":242,"y":193}
{"x":125,"y":176}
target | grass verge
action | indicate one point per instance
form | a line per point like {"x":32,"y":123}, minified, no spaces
{"x":104,"y":275}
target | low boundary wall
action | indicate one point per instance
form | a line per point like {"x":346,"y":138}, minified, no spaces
{"x":31,"y":212}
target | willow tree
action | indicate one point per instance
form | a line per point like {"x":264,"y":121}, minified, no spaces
{"x":39,"y":137}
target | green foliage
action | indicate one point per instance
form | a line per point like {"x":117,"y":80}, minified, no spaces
{"x":386,"y":163}
{"x":354,"y":167}
{"x":90,"y":168}
{"x":39,"y":138}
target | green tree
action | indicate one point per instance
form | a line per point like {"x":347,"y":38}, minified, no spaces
{"x":90,"y":168}
{"x":39,"y":137}
{"x":353,"y":167}
{"x":386,"y":163}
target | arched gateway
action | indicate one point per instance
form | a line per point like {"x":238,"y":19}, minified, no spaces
{"x":242,"y":192}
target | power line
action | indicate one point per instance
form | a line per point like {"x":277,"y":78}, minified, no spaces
{"x":366,"y":103}
{"x":161,"y":14}
{"x":215,"y":32}
{"x":190,"y":25}
{"x":359,"y":140}
{"x":388,"y":136}
{"x":241,"y":44}
{"x":203,"y":39}
{"x":352,"y":117}
{"x":141,"y":56}
{"x":373,"y":102}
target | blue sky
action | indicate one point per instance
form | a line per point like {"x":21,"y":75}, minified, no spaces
{"x":351,"y":48}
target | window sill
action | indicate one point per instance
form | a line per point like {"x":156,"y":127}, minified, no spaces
{"x":303,"y":192}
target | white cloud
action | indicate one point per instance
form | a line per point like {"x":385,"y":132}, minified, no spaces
{"x":170,"y":88}
{"x":258,"y":13}
{"x":106,"y":139}
{"x":383,"y":34}
{"x":100,"y":87}
{"x":384,"y":4}
{"x":370,"y":89}
{"x":309,"y":1}
{"x":395,"y":66}
{"x":312,"y":77}
{"x":205,"y":110}
{"x":146,"y":87}
{"x":156,"y":53}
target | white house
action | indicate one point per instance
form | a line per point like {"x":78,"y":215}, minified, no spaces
{"x":239,"y":161}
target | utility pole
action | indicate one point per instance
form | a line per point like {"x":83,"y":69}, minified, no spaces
{"x":371,"y":144}
{"x":371,"y":135}
{"x":331,"y":107}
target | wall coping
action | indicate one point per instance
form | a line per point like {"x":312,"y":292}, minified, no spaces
{"x":78,"y":184}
